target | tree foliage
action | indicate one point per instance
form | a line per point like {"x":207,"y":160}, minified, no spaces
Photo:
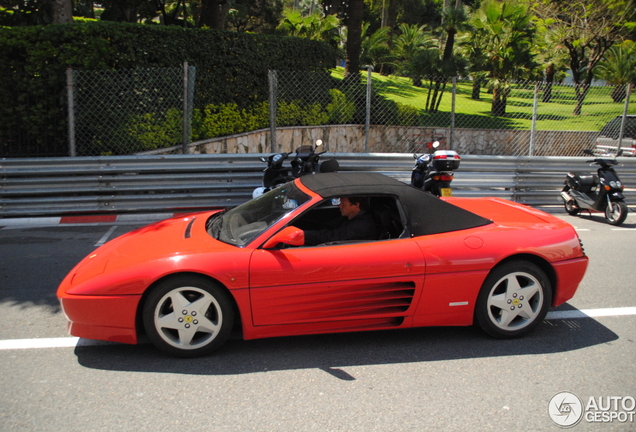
{"x":230,"y":67}
{"x":619,"y":68}
{"x":492,"y":41}
{"x":586,"y":29}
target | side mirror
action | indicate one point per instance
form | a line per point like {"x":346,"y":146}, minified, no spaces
{"x":318,"y":143}
{"x":435,"y":144}
{"x":289,"y":235}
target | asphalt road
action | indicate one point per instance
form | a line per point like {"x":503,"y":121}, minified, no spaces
{"x":437,"y":379}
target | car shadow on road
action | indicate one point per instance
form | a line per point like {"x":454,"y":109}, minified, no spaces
{"x":333,"y":352}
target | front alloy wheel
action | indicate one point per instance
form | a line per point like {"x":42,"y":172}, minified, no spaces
{"x":616,"y":212}
{"x":188,"y":316}
{"x":515,"y":297}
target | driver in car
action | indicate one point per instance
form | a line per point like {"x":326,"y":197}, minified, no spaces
{"x":355,"y":224}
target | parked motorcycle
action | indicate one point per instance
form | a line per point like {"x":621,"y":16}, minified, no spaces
{"x":434,"y":172}
{"x":601,"y":192}
{"x":305,"y":160}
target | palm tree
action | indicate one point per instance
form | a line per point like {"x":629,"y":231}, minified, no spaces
{"x":505,"y":34}
{"x":618,"y":68}
{"x":552,"y":57}
{"x":471,"y":47}
{"x":375,"y":47}
{"x":454,"y":20}
{"x":314,"y":26}
{"x":354,"y":19}
{"x":410,"y":44}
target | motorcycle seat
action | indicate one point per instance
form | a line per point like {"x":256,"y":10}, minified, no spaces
{"x":585,"y":181}
{"x":330,"y":165}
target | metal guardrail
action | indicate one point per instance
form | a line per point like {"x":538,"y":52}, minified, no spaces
{"x":136,"y":184}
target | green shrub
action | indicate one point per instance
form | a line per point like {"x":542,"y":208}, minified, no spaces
{"x":340,"y":110}
{"x":228,"y":119}
{"x":219,"y":120}
{"x":153,"y":130}
{"x":295,"y":113}
{"x":407,"y":115}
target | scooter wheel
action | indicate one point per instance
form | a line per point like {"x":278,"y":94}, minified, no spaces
{"x":571,"y":208}
{"x":616,"y":212}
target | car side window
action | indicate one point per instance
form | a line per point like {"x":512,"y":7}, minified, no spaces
{"x":385,"y":211}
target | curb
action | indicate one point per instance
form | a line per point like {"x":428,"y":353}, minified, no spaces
{"x":78,"y":220}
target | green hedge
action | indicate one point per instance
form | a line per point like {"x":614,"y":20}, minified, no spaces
{"x":231,"y":68}
{"x":152,"y":131}
{"x":233,"y":65}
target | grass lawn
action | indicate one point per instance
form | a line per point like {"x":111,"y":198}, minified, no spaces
{"x":557,"y":114}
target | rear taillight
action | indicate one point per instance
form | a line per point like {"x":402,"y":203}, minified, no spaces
{"x":443,"y":177}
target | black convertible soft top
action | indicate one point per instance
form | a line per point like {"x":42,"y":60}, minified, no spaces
{"x":425,"y":213}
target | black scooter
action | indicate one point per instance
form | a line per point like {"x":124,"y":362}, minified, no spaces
{"x":434,"y":173}
{"x":601,"y":192}
{"x":305,"y":160}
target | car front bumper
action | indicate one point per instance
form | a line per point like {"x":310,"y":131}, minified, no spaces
{"x":108,"y":318}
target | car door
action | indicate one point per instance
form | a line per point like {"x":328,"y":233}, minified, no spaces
{"x":340,"y":282}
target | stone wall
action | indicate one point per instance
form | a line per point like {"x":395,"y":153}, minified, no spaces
{"x":397,"y":139}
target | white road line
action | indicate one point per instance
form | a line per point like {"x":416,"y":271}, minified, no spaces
{"x":63,"y":342}
{"x":591,"y":313}
{"x":105,"y":237}
{"x":66,"y":342}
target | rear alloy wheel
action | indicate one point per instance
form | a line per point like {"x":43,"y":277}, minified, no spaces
{"x":514,"y":298}
{"x":616,"y":212}
{"x":188,"y":316}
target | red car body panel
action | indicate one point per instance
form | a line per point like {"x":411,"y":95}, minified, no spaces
{"x":109,"y":318}
{"x":426,"y":280}
{"x":569,"y":275}
{"x":352,"y":281}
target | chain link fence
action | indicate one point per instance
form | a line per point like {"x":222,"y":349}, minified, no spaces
{"x":154,"y":110}
{"x":393,"y":115}
{"x":129,"y":111}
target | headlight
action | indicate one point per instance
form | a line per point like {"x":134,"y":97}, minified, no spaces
{"x":613,"y":184}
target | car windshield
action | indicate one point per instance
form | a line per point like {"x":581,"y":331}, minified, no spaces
{"x":243,"y":223}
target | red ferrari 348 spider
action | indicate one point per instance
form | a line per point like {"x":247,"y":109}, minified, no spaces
{"x":186,"y":282}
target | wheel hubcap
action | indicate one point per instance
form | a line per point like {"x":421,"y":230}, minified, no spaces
{"x":188,"y":318}
{"x":515,"y":301}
